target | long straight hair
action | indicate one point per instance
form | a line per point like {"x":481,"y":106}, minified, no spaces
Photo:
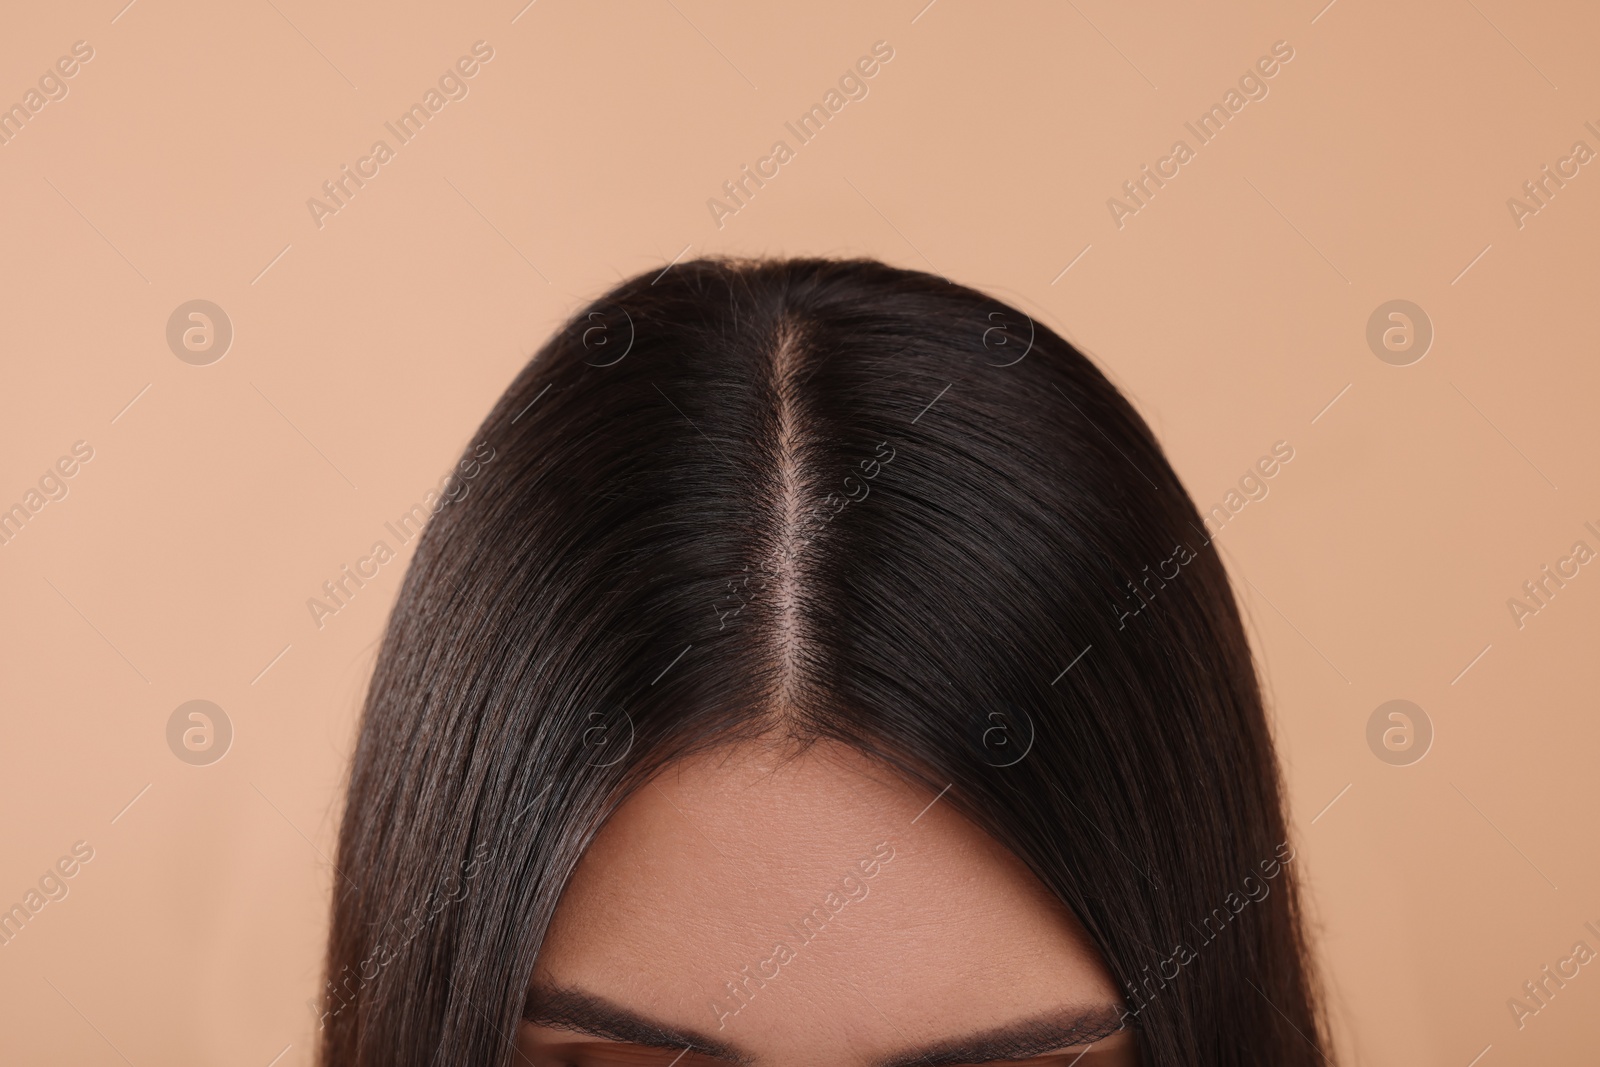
{"x":833,"y":500}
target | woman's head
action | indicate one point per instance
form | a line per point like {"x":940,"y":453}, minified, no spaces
{"x":758,"y":561}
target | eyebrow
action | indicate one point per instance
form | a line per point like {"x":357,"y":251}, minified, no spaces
{"x":585,"y":1013}
{"x":1017,"y":1041}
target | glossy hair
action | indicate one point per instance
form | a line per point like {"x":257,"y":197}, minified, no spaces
{"x":816,"y":499}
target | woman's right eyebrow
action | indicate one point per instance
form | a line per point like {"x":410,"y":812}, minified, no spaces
{"x":586,"y":1013}
{"x":1019,"y":1040}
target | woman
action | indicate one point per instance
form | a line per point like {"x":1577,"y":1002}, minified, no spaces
{"x":826,"y":668}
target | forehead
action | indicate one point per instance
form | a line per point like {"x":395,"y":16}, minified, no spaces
{"x":812,"y":902}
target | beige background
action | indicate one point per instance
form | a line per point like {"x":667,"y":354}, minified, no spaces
{"x":1232,"y":309}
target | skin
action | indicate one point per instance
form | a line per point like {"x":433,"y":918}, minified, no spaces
{"x":699,"y":877}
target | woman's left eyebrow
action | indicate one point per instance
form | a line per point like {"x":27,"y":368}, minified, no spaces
{"x":1017,"y":1040}
{"x":586,"y":1013}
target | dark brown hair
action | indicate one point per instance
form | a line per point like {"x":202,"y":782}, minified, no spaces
{"x":832,"y":499}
